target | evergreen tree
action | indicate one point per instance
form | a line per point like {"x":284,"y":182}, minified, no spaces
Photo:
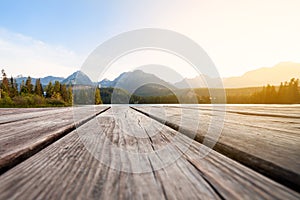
{"x":29,"y":85}
{"x":24,"y":89}
{"x":4,"y":83}
{"x":13,"y":88}
{"x":38,"y":89}
{"x":70,"y":95}
{"x":49,"y":90}
{"x":56,"y":91}
{"x":297,"y":91}
{"x":280,"y":95}
{"x":97,"y":96}
{"x":294,"y":91}
{"x":63,"y":92}
{"x":56,"y":87}
{"x":270,"y":95}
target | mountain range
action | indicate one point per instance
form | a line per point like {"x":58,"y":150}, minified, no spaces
{"x":153,"y":85}
{"x":44,"y":81}
{"x":267,"y":75}
{"x":77,"y":78}
{"x":132,"y":81}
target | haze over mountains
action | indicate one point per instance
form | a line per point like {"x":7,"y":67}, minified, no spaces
{"x":267,"y":75}
{"x":131,"y":80}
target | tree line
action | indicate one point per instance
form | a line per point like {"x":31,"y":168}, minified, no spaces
{"x":112,"y":95}
{"x":286,"y":93}
{"x":30,"y":94}
{"x":57,"y":94}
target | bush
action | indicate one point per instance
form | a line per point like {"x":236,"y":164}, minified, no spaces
{"x":24,"y":101}
{"x":55,"y":102}
{"x":38,"y":100}
{"x":20,"y":101}
{"x":6,"y":102}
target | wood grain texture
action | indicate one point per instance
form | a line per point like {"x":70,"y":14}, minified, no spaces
{"x":11,"y":115}
{"x":268,"y":144}
{"x":26,"y":137}
{"x":84,"y":165}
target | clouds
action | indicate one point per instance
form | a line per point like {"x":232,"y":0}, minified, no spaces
{"x":20,"y":54}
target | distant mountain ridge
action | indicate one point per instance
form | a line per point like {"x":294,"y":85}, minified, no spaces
{"x":78,"y":78}
{"x":281,"y":72}
{"x":132,"y":81}
{"x":267,"y":75}
{"x":129,"y":81}
{"x":44,"y":81}
{"x":201,"y":81}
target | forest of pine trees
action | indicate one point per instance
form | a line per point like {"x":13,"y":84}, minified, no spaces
{"x":30,"y":94}
{"x":287,"y":93}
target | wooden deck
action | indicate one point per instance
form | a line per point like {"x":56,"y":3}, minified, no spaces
{"x":264,"y":139}
{"x":140,"y":152}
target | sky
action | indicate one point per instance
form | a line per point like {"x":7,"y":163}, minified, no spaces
{"x":40,"y":38}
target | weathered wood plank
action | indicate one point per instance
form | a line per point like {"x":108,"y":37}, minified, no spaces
{"x":270,"y":145}
{"x":11,"y":115}
{"x":257,"y":110}
{"x":9,"y":111}
{"x":25,"y":137}
{"x":67,"y":170}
